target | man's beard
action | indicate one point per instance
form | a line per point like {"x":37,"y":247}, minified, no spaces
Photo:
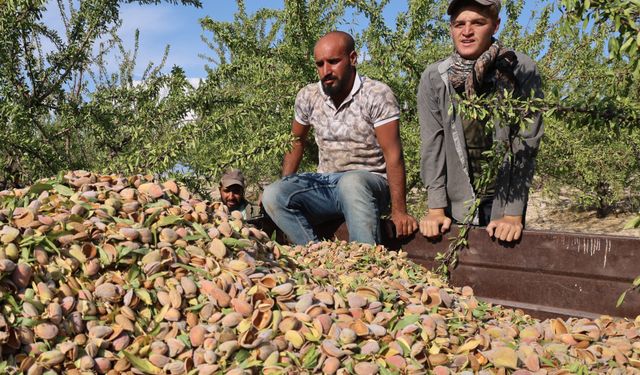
{"x":333,"y":90}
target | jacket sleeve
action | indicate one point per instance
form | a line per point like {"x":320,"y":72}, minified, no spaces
{"x":432,"y":153}
{"x":526,"y":141}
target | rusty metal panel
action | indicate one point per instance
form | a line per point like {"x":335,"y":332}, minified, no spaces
{"x":546,"y":274}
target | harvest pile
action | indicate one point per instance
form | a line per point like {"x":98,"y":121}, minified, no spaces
{"x":106,"y":274}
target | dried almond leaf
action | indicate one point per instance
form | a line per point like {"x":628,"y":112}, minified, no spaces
{"x":503,"y":357}
{"x":142,"y":364}
{"x":468,"y":346}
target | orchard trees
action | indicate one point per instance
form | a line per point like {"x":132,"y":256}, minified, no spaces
{"x":62,"y":108}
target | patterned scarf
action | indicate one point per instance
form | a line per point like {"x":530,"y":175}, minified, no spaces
{"x":495,"y":66}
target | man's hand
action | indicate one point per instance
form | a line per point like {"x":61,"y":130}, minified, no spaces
{"x":435,"y":223}
{"x":405,"y":224}
{"x":509,"y":228}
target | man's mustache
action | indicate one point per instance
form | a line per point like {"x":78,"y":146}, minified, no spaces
{"x":329,"y":77}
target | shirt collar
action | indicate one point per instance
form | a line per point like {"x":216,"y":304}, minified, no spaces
{"x":357,"y":83}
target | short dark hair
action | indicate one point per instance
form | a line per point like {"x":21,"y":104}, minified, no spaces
{"x":492,"y":10}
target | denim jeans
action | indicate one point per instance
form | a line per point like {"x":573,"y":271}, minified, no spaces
{"x":298,"y":202}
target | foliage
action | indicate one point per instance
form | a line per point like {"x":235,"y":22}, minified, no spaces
{"x":591,"y":110}
{"x":575,"y":161}
{"x":612,"y":87}
{"x":622,"y":18}
{"x":35,"y":88}
{"x":61,"y":108}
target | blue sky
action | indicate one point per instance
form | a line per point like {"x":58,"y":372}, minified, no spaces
{"x":178,"y":26}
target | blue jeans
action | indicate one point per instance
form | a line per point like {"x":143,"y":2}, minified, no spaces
{"x":298,"y":202}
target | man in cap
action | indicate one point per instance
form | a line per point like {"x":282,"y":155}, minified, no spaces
{"x":232,"y":187}
{"x":452,"y":146}
{"x":361,"y":167}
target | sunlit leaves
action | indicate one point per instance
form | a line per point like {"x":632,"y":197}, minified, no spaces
{"x":624,"y":18}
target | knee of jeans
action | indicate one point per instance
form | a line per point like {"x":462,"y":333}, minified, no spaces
{"x":272,"y":196}
{"x":354,"y":182}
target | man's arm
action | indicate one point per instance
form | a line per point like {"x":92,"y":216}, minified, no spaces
{"x":292,"y":159}
{"x":432,"y":164}
{"x":388,"y":136}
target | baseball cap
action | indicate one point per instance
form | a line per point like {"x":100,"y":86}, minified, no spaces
{"x":453,"y":4}
{"x":232,"y":177}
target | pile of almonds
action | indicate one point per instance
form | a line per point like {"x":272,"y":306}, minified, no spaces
{"x":112,"y":274}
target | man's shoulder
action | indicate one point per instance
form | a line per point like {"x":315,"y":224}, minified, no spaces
{"x":435,"y":69}
{"x":370,"y":85}
{"x":432,"y":74}
{"x":370,"y":82}
{"x":309,"y":90}
{"x":527,"y":74}
{"x":525,"y":62}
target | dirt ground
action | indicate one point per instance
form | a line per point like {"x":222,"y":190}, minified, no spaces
{"x":557,"y":215}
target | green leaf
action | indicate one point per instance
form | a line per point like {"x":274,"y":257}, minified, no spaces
{"x":310,"y":358}
{"x":385,"y":371}
{"x":242,"y":355}
{"x":621,"y":299}
{"x":636,"y":282}
{"x":195,"y":307}
{"x":194,"y":269}
{"x":151,"y":219}
{"x":626,"y":44}
{"x":51,"y":246}
{"x":200,"y":229}
{"x":547,"y":362}
{"x":120,"y":220}
{"x":236,"y":243}
{"x":11,"y":301}
{"x":144,"y":295}
{"x":104,"y":257}
{"x":142,"y":364}
{"x":169,"y":220}
{"x":160,"y":204}
{"x":407,"y":320}
{"x":40,"y":187}
{"x":294,"y":358}
{"x":193,"y":237}
{"x":133,"y":273}
{"x":63,"y":190}
{"x":633,"y":223}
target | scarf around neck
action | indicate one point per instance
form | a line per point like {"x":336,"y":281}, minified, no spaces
{"x":495,"y":66}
